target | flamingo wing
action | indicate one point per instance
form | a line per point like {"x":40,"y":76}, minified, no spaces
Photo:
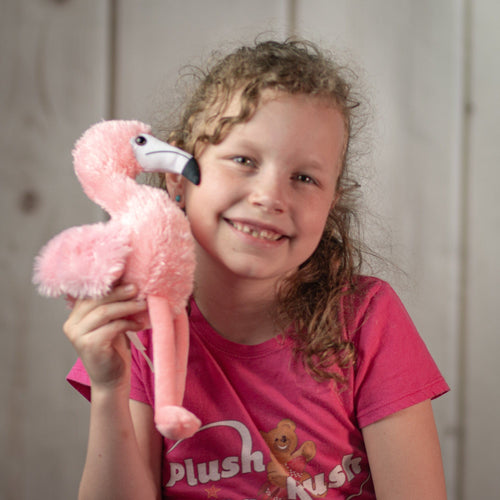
{"x":82,"y":261}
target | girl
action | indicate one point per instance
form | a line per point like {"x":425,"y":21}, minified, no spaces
{"x":310,"y":379}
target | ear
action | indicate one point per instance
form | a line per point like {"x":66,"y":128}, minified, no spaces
{"x":290,"y":424}
{"x":175,"y":185}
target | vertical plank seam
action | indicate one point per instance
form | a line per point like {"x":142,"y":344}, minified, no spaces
{"x":112,"y":43}
{"x":465,"y":167}
{"x":291,"y":18}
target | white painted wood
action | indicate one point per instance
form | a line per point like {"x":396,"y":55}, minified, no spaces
{"x":53,"y":85}
{"x":411,"y":53}
{"x":55,"y":75}
{"x":482,"y":272}
{"x":158,"y":37}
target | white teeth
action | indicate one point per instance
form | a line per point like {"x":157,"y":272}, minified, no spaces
{"x":264,"y":234}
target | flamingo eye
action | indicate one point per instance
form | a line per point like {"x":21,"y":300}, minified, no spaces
{"x":140,"y":140}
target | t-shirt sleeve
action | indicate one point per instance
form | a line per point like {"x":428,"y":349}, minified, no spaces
{"x":141,"y":383}
{"x":394,"y":369}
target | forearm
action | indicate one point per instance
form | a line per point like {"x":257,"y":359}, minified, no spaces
{"x":115,"y":467}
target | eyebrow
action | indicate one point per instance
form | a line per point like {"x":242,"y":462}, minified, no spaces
{"x":242,"y":143}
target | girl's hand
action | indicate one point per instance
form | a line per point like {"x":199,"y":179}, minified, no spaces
{"x":97,"y":327}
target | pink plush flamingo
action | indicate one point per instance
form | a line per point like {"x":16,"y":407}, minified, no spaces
{"x":147,"y":241}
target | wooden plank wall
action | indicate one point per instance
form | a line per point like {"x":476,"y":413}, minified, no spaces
{"x":54,"y":82}
{"x":432,"y":74}
{"x":480,"y":374}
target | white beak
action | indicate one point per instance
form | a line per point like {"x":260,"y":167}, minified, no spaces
{"x":154,"y":155}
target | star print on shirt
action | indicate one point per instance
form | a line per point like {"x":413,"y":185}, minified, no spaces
{"x":212,"y":492}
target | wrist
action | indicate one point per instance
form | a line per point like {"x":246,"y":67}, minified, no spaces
{"x":112,"y":393}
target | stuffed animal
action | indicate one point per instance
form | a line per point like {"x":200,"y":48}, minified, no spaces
{"x":147,"y":241}
{"x":287,"y":460}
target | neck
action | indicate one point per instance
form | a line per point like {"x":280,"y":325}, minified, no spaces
{"x":239,"y":310}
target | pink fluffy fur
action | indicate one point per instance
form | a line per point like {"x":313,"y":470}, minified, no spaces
{"x":83,"y":261}
{"x":147,"y":241}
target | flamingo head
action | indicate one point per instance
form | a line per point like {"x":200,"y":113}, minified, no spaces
{"x":112,"y":153}
{"x":104,"y":151}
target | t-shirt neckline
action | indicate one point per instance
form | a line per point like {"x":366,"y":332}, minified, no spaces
{"x":204,"y":330}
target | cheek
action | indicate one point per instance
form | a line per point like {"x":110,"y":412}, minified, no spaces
{"x":315,"y":219}
{"x":203,"y":209}
{"x":314,"y":226}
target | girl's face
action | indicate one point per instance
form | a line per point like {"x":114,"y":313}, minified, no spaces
{"x":267,"y":188}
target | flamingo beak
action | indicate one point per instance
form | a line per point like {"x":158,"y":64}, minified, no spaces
{"x":191,"y":171}
{"x":154,"y":155}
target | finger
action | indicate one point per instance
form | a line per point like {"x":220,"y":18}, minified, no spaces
{"x":108,"y":334}
{"x":119,"y":293}
{"x":107,"y":313}
{"x":82,"y":307}
{"x":101,"y":315}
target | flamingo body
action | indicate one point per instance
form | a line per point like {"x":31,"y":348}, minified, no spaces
{"x":147,"y":242}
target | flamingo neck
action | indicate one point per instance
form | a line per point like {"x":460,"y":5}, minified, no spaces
{"x":113,"y":192}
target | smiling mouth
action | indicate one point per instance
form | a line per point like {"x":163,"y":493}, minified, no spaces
{"x":262,"y":234}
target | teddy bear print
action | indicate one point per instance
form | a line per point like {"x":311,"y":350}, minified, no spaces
{"x":286,"y":459}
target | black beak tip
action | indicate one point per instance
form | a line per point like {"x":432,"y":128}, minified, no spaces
{"x":192,"y":171}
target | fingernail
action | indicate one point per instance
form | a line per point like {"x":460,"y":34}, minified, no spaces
{"x":130,"y":288}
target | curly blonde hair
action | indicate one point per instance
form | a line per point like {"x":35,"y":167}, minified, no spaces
{"x":310,"y":298}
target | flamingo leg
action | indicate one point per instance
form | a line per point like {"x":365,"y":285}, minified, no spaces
{"x":173,"y":421}
{"x":181,"y":326}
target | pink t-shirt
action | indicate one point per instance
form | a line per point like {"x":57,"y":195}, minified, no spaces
{"x":254,"y":398}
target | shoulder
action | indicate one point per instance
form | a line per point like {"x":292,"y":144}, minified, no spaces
{"x":370,"y":299}
{"x":368,"y":287}
{"x":378,"y":324}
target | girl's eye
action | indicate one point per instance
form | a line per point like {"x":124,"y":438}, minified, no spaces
{"x":244,"y":161}
{"x":305,"y":179}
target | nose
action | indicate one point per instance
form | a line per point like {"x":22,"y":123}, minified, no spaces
{"x":268,"y":193}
